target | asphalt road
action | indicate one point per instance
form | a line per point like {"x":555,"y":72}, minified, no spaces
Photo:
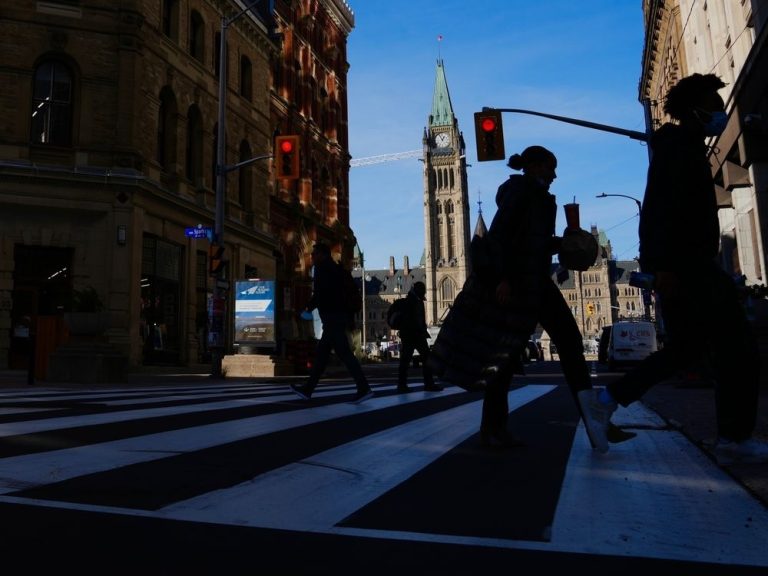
{"x":185,"y":475}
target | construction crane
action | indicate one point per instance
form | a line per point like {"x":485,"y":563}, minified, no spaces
{"x":368,"y":160}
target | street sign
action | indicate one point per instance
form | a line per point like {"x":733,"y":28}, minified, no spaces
{"x":199,"y":231}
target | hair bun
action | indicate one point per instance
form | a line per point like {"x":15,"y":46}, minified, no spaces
{"x":515,"y":162}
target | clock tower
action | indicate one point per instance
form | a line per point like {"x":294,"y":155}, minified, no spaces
{"x":446,"y":204}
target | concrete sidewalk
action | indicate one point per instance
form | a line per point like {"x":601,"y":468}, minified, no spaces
{"x":690,"y":407}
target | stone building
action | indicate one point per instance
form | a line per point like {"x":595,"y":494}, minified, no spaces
{"x":728,"y":38}
{"x":446,"y":203}
{"x":382,"y":287}
{"x":108,"y":156}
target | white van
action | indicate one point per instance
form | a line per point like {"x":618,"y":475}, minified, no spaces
{"x":630,"y":342}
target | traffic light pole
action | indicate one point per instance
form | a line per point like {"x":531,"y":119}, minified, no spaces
{"x":217,"y":339}
{"x":642,"y":136}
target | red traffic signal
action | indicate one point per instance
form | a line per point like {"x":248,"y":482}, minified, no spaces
{"x":287,"y":160}
{"x":489,"y":135}
{"x":286,"y":146}
{"x":488,"y":124}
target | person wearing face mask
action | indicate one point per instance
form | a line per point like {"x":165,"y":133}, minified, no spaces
{"x":705,"y":322}
{"x":524,"y":229}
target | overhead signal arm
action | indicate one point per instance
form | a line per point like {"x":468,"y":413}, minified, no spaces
{"x":642,"y":136}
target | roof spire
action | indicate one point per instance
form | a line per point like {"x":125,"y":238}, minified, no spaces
{"x":442,"y":110}
{"x":480,"y":227}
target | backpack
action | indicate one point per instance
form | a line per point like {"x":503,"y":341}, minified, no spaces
{"x":351,"y":293}
{"x":396,"y":314}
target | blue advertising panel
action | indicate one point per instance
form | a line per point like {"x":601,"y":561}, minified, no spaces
{"x":255,"y":312}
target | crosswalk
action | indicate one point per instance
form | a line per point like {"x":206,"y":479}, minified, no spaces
{"x":253,"y":455}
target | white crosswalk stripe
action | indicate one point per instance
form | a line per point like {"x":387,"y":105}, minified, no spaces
{"x":321,"y":491}
{"x":656,"y":496}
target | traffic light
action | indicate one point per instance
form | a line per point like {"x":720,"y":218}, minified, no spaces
{"x":287,"y":157}
{"x":590,"y":308}
{"x":215,"y":259}
{"x":489,"y":135}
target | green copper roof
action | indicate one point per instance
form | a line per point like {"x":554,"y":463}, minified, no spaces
{"x":442,"y":111}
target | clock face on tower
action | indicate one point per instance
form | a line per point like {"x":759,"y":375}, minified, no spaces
{"x":442,"y":140}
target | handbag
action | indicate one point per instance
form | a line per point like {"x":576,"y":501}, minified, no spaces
{"x":578,"y":250}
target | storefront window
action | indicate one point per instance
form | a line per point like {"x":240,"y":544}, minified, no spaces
{"x":160,"y":301}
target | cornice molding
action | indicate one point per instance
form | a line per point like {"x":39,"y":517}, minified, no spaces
{"x":341,"y":13}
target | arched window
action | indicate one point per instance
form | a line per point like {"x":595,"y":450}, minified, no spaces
{"x":166,"y":128}
{"x":447,"y":292}
{"x":193,"y":165}
{"x":439,"y":231}
{"x":450,"y":232}
{"x":52,"y":104}
{"x":170,"y":22}
{"x":246,"y":78}
{"x":196,"y":36}
{"x":217,"y":55}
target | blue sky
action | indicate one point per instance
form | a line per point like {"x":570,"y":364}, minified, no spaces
{"x":575,"y":59}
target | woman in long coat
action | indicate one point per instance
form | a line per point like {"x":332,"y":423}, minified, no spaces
{"x":510,"y":290}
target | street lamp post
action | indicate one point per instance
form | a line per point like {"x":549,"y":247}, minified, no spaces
{"x":218,"y":309}
{"x":639,"y":204}
{"x":646,"y":297}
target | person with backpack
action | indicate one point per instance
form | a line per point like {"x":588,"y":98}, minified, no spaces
{"x":328,"y":296}
{"x":409,"y":318}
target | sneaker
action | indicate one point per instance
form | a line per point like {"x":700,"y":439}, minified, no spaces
{"x":433,"y":388}
{"x":748,"y":451}
{"x":596,"y":416}
{"x":301,"y":391}
{"x":362,"y":396}
{"x":403,"y":388}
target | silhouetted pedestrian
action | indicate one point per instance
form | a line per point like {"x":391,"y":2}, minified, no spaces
{"x":524,"y":228}
{"x":328,"y":298}
{"x":509,"y":291}
{"x":705,"y":323}
{"x":414,"y":336}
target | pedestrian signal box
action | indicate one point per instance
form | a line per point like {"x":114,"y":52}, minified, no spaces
{"x":287,"y":157}
{"x":215,"y":259}
{"x":489,"y":135}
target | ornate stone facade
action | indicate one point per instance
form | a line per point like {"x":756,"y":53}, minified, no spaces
{"x":108,"y":153}
{"x":446,"y":204}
